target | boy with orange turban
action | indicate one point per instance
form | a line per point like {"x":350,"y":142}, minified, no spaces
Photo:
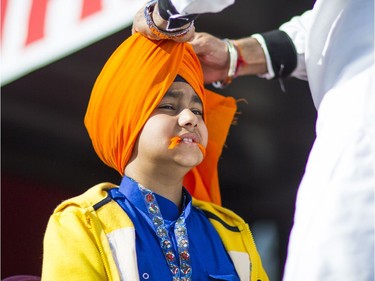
{"x":151,"y":119}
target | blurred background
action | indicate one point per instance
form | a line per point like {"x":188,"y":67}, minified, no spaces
{"x":46,"y":154}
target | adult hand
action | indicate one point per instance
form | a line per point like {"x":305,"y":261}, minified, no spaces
{"x":140,"y":25}
{"x":213,"y":55}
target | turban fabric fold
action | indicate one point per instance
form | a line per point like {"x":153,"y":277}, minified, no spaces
{"x":130,"y":86}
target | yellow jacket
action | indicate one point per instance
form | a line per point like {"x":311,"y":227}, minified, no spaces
{"x":90,"y":237}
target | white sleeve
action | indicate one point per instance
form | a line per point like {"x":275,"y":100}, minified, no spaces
{"x":185,"y":7}
{"x":298,"y":29}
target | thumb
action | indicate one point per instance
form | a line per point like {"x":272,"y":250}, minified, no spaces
{"x":196,"y":43}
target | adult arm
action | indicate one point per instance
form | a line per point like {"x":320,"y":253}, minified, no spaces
{"x":279,"y":53}
{"x":298,"y":29}
{"x":284,"y":48}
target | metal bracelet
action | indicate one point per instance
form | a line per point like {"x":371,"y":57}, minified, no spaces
{"x":162,"y":34}
{"x":233,"y":60}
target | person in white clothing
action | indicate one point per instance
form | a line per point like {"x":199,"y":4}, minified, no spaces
{"x":331,"y":46}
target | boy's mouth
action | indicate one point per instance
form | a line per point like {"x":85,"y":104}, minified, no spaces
{"x":177,"y":140}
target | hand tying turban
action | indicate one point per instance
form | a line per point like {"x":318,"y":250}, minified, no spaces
{"x":130,"y":87}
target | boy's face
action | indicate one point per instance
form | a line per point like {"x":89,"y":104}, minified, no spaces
{"x":180,"y":113}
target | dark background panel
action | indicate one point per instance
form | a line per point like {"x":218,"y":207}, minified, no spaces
{"x":46,"y":155}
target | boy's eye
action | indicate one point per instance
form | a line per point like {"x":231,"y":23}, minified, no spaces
{"x":167,"y":106}
{"x":197,"y":112}
{"x":171,"y":107}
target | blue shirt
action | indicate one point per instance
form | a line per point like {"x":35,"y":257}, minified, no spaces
{"x":208,"y":257}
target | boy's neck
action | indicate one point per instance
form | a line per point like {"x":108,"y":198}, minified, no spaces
{"x":166,"y":186}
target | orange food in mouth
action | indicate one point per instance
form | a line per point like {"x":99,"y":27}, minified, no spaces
{"x":203,"y":150}
{"x":176,"y":140}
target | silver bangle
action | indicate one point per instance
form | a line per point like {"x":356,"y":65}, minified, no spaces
{"x":162,"y":34}
{"x":233,"y":60}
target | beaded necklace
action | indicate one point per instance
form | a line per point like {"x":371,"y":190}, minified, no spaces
{"x":184,"y":271}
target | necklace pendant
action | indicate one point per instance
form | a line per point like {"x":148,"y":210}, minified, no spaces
{"x":161,"y":232}
{"x":183,"y":243}
{"x":184,"y":256}
{"x":174,"y":269}
{"x":166,"y":244}
{"x":170,"y":256}
{"x":184,"y":271}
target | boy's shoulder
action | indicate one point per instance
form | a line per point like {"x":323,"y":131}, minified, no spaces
{"x":218,"y":213}
{"x":90,"y":199}
{"x":94,"y":207}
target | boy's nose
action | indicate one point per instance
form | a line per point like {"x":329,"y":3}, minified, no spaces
{"x":187,"y":118}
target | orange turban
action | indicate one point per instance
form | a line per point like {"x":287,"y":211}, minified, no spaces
{"x":130,"y":87}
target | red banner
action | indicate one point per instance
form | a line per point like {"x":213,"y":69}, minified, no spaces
{"x":37,"y":32}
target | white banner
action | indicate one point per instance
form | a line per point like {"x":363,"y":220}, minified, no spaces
{"x":37,"y":32}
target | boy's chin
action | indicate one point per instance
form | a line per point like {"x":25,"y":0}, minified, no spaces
{"x":190,"y":161}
